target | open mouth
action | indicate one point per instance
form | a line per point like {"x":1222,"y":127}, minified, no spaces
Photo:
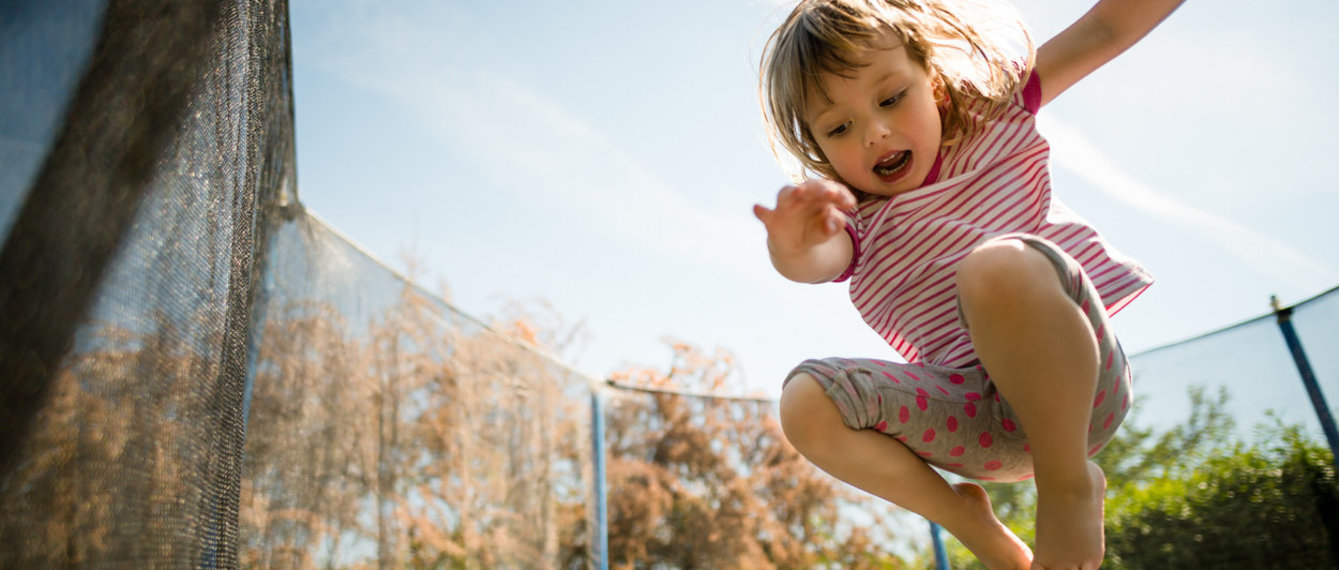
{"x":893,"y":165}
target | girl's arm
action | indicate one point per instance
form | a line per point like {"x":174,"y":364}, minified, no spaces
{"x":1108,"y":29}
{"x":806,"y":234}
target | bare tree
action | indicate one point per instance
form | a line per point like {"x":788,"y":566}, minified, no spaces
{"x":425,"y":438}
{"x":301,"y":484}
{"x":702,"y":482}
{"x":113,"y":469}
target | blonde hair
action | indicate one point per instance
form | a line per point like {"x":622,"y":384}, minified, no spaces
{"x":964,"y":45}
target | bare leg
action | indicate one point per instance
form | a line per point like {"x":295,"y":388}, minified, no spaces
{"x":885,"y":468}
{"x":1042,"y":355}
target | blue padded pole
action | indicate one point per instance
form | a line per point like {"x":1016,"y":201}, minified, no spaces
{"x":941,"y":555}
{"x":1327,"y":425}
{"x":601,"y":546}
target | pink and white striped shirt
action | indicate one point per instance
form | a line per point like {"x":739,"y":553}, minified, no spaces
{"x":908,"y":247}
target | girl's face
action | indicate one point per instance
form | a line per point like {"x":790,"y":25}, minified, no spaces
{"x":879,"y":128}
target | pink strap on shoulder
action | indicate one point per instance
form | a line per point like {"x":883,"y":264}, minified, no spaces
{"x":1032,"y":93}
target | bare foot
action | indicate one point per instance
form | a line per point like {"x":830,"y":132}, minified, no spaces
{"x":1069,"y":524}
{"x":993,"y":543}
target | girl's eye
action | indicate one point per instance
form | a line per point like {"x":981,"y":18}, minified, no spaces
{"x":839,"y":129}
{"x":889,"y":102}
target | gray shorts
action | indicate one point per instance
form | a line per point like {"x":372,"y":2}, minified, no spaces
{"x":954,"y":418}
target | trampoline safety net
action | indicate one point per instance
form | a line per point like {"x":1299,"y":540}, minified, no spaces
{"x":1251,"y":363}
{"x":198,"y":373}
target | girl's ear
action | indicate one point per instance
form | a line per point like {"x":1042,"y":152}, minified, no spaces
{"x":940,"y":90}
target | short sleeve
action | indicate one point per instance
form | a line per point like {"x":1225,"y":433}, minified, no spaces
{"x":855,"y":251}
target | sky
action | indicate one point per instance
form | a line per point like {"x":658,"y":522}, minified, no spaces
{"x":602,"y":157}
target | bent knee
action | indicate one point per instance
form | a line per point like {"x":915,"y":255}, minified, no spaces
{"x":1002,"y":271}
{"x":804,"y":408}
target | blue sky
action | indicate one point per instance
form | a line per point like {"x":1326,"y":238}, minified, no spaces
{"x":603,"y":156}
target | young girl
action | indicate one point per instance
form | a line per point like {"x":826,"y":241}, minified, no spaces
{"x":932,"y":196}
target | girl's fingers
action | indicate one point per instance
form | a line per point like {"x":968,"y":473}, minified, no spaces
{"x":834,"y":193}
{"x":822,"y":192}
{"x":804,"y":196}
{"x":835,"y":222}
{"x":845,"y":199}
{"x":817,"y":205}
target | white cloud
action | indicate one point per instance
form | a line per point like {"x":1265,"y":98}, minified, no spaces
{"x":1263,"y":253}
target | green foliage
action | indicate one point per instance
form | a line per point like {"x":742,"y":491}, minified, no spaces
{"x":1271,"y":505}
{"x":1187,"y":497}
{"x":1138,"y":455}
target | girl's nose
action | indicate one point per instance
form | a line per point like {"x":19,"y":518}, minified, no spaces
{"x":878,"y":130}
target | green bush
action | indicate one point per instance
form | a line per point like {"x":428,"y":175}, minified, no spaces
{"x":1193,"y":497}
{"x":1270,"y":505}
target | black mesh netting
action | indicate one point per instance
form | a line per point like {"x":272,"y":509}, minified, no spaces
{"x":149,"y":130}
{"x":194,"y":372}
{"x":388,"y":430}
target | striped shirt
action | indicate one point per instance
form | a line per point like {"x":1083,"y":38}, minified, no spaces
{"x":996,"y":181}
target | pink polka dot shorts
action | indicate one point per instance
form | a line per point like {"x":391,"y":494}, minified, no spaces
{"x":954,"y":418}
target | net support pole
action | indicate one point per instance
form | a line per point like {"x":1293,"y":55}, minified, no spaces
{"x":601,"y":547}
{"x":1284,"y":316}
{"x":941,"y":555}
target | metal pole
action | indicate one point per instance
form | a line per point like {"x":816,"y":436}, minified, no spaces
{"x":941,"y":555}
{"x":601,"y":546}
{"x":1327,"y":425}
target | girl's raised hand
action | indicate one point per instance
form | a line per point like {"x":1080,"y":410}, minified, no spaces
{"x":806,"y":215}
{"x":804,"y":232}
